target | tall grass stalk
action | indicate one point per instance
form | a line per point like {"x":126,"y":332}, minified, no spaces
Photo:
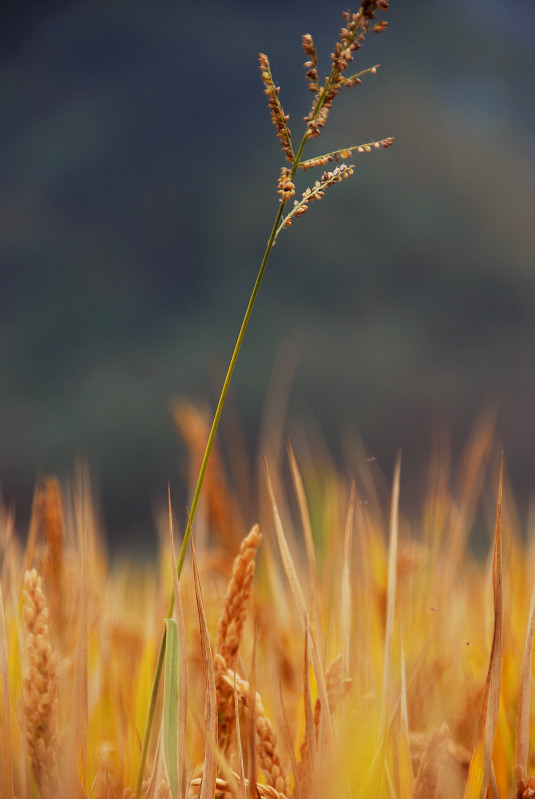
{"x":351,"y":38}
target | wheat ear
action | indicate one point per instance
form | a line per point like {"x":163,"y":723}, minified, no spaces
{"x":230,"y":629}
{"x":40,"y":689}
{"x":432,"y":763}
{"x":266,"y":740}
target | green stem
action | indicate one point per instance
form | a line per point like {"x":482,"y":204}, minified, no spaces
{"x":198,"y":487}
{"x":161,"y":654}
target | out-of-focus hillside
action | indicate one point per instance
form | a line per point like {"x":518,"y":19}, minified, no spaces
{"x":138,"y":181}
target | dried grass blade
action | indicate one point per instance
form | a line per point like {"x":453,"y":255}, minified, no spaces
{"x":251,"y":701}
{"x":210,"y":713}
{"x":310,"y":728}
{"x":426,"y":785}
{"x":481,"y":763}
{"x":391,"y":591}
{"x":522,"y":727}
{"x":6,"y":776}
{"x":305,"y":517}
{"x":76,"y":744}
{"x":475,"y":462}
{"x":346,"y":584}
{"x":297,"y":592}
{"x":182,"y":665}
{"x":156,"y":773}
{"x":290,"y":747}
{"x":286,"y":556}
{"x":170,"y":706}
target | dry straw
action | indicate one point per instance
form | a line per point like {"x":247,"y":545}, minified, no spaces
{"x":266,"y":740}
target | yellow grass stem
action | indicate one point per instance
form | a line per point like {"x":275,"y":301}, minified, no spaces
{"x":479,"y":774}
{"x":315,"y":120}
{"x":391,"y":593}
{"x":197,"y":492}
{"x":204,"y":465}
{"x":202,"y":471}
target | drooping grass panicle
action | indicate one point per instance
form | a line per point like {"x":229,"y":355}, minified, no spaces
{"x":278,"y":117}
{"x":351,"y":38}
{"x":40,"y":689}
{"x":525,"y":786}
{"x":344,"y":153}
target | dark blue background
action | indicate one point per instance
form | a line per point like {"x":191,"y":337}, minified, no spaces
{"x":137,"y":189}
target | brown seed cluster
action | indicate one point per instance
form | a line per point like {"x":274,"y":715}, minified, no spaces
{"x":232,"y":619}
{"x":318,"y":190}
{"x":40,"y":690}
{"x":352,"y":36}
{"x":285,"y":186}
{"x":278,"y":116}
{"x":266,"y":740}
{"x":320,"y":160}
{"x":312,"y":63}
{"x":525,"y":786}
{"x":230,"y":630}
{"x":376,"y":145}
{"x":48,"y":527}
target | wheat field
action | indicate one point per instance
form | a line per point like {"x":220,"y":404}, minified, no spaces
{"x":304,"y":640}
{"x":337,"y":650}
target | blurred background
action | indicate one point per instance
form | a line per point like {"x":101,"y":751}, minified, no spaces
{"x":138,"y":175}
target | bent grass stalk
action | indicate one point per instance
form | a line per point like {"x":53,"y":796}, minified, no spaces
{"x":352,"y":35}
